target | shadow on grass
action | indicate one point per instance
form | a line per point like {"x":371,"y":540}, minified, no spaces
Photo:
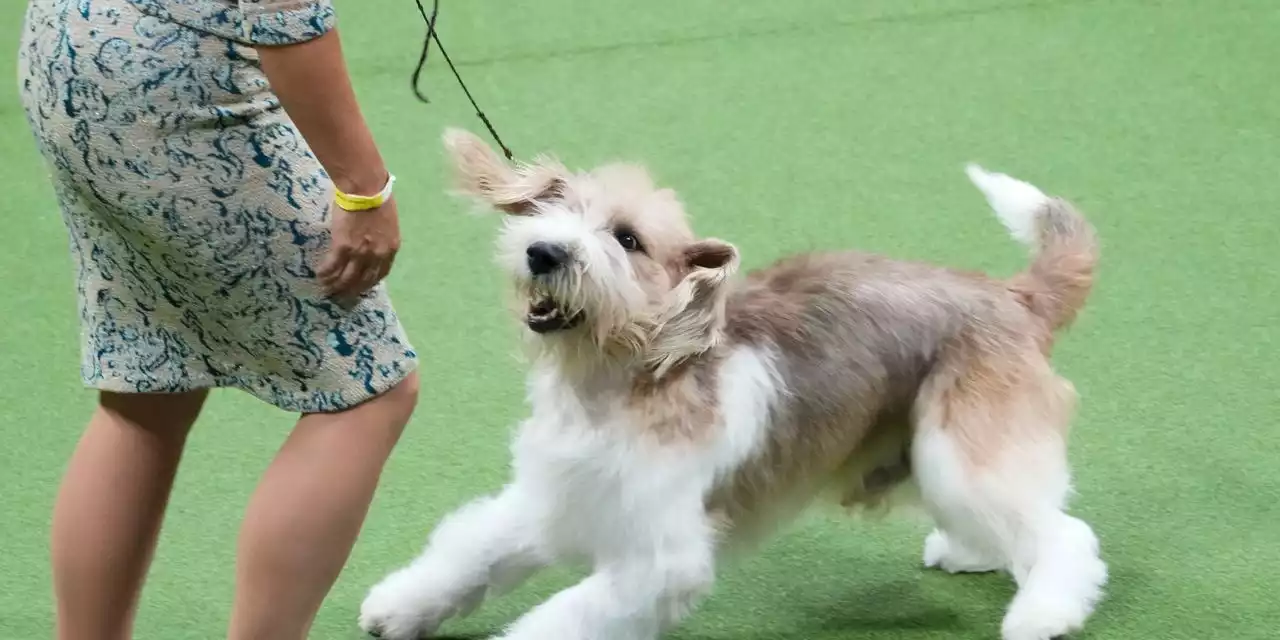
{"x":895,"y":607}
{"x":885,"y":607}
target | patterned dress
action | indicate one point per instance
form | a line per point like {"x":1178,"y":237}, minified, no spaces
{"x":196,"y":213}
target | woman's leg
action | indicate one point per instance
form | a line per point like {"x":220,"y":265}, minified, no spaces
{"x":308,"y":509}
{"x":110,"y":506}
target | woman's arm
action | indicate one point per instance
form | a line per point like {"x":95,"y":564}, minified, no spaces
{"x":311,"y":81}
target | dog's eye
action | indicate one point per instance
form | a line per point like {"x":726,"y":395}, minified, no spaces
{"x":628,"y":239}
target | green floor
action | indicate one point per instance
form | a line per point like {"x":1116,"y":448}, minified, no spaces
{"x":786,"y":126}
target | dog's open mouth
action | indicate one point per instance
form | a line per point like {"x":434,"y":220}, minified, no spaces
{"x":546,"y":316}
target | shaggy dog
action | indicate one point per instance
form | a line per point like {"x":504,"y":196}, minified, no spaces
{"x":678,"y":409}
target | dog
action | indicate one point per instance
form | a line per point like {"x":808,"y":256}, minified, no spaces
{"x":680,"y":411}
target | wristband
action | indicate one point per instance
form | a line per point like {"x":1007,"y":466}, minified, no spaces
{"x":348,"y":202}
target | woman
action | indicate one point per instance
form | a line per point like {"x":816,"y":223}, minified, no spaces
{"x":230,"y":223}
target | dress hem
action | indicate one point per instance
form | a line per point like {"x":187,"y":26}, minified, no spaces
{"x":300,"y":402}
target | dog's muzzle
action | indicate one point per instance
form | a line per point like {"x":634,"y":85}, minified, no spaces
{"x":545,"y":313}
{"x":546,"y":316}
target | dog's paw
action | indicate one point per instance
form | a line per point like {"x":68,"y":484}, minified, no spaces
{"x":1042,"y":621}
{"x":408,"y":606}
{"x":943,"y":552}
{"x":395,"y":610}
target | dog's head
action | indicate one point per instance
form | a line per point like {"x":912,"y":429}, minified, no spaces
{"x":604,"y":261}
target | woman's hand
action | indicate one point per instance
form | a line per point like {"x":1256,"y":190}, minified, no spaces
{"x":362,"y":247}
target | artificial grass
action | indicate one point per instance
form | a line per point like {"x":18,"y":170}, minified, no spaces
{"x":785,"y":126}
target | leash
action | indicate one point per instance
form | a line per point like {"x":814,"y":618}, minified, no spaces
{"x":422,"y":63}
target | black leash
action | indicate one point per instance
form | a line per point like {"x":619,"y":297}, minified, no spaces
{"x":422,"y":63}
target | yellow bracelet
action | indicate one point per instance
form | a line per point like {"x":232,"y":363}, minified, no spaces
{"x":349,"y":202}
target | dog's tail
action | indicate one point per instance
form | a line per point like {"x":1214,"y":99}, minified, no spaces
{"x":1064,"y":245}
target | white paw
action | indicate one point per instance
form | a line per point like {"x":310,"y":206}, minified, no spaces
{"x":943,"y":552}
{"x":407,"y":605}
{"x":1042,"y":620}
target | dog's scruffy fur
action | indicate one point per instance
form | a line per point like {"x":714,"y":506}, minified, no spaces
{"x":679,"y":409}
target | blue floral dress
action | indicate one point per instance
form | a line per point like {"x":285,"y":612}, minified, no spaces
{"x":196,"y":212}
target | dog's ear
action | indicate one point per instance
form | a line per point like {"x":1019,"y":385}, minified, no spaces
{"x":693,"y":319}
{"x":482,"y":174}
{"x":711,"y":254}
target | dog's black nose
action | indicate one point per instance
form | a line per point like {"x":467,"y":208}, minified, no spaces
{"x":545,"y":257}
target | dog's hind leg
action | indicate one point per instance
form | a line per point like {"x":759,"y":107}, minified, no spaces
{"x":990,"y":457}
{"x":483,"y":549}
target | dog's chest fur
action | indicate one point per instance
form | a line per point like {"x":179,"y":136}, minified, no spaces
{"x":608,"y":471}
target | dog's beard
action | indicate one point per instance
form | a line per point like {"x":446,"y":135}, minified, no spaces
{"x":584,"y":311}
{"x":554,"y":302}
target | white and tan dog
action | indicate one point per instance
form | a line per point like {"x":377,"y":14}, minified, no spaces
{"x":678,"y":409}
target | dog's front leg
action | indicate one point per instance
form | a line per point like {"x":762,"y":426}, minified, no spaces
{"x":486,"y":547}
{"x":634,"y":598}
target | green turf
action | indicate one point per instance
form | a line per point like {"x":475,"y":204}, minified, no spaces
{"x":786,"y":126}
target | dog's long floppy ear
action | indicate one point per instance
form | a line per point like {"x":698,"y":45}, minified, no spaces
{"x":693,"y":318}
{"x":482,"y":174}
